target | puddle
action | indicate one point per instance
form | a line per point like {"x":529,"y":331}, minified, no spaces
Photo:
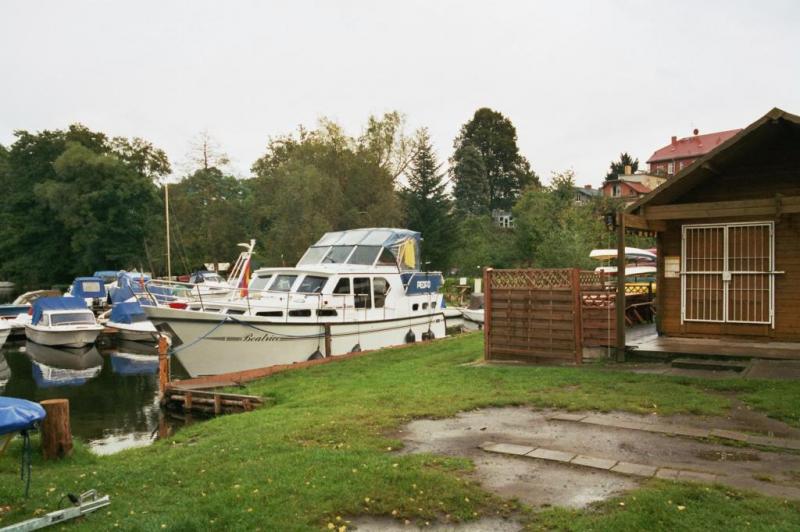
{"x":540,"y":483}
{"x":377,"y":524}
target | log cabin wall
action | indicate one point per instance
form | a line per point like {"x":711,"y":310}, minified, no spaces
{"x":766,"y":173}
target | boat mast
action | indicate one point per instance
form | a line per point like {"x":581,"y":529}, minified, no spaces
{"x":166,"y":215}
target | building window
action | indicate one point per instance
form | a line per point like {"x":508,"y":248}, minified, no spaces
{"x":615,"y":191}
{"x":670,"y":168}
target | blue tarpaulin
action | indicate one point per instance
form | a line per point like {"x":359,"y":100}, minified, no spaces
{"x":128,"y":312}
{"x":55,"y":303}
{"x":139,"y":366}
{"x":18,"y":414}
{"x":86,"y":287}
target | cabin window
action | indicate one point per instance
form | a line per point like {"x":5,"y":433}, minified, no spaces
{"x":364,"y":255}
{"x":236,"y":312}
{"x":300,"y":313}
{"x":387,"y":258}
{"x":91,"y":286}
{"x":337,"y":255}
{"x":260,"y":282}
{"x":270,"y":313}
{"x":424,"y":306}
{"x":326,"y":312}
{"x":312,"y":284}
{"x":380,"y":287}
{"x":361,"y":289}
{"x":343,"y":286}
{"x":283,"y":283}
{"x":415,"y":306}
{"x":71,"y":317}
{"x":313,"y":255}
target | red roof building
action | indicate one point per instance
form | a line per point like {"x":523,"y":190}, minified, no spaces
{"x":680,"y":153}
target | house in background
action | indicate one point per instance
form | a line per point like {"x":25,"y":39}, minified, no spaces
{"x":728,"y":234}
{"x":630,"y":187}
{"x":585,"y":194}
{"x":504,"y":219}
{"x":680,"y":153}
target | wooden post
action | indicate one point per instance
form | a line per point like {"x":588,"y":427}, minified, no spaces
{"x":328,"y":349}
{"x":487,"y":313}
{"x":577,"y":315}
{"x":56,"y":432}
{"x":620,"y":300}
{"x":163,"y":366}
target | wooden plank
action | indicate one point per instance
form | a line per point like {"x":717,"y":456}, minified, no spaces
{"x":487,"y":313}
{"x":721,"y":209}
{"x":633,"y":221}
{"x":576,"y":316}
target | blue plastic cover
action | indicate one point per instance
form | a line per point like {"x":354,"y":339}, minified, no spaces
{"x":18,"y":414}
{"x":125,"y":366}
{"x":55,"y":303}
{"x":128,"y":312}
{"x":88,"y":287}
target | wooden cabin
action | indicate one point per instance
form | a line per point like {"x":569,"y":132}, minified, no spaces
{"x":728,"y":235}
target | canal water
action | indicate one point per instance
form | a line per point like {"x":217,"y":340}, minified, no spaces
{"x":112,"y":388}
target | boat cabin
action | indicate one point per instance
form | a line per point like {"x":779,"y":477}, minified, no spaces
{"x":61,"y":311}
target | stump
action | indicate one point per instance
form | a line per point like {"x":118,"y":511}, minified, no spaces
{"x":56,"y":433}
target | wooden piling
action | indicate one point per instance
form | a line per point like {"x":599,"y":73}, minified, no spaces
{"x":56,"y":431}
{"x":328,"y":349}
{"x":163,"y":366}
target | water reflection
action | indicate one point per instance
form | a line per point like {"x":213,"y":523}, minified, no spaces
{"x":112,"y":391}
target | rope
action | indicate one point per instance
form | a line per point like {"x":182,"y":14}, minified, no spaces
{"x":25,"y":466}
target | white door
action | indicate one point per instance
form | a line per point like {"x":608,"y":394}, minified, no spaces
{"x":728,"y":273}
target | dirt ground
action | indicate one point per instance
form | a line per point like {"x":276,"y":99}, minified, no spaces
{"x":540,"y":483}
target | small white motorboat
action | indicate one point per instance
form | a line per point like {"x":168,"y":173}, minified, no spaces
{"x":473,"y":318}
{"x":131,"y":322}
{"x":631,"y":254}
{"x":63,"y":321}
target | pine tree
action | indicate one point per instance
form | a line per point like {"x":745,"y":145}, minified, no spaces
{"x":427,"y":204}
{"x":618,"y":167}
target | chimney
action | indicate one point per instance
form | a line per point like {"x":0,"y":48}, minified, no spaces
{"x":674,"y":140}
{"x":628,"y":169}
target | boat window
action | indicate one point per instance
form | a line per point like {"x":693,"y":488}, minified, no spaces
{"x":380,"y":287}
{"x":260,"y":282}
{"x":300,"y":313}
{"x":343,"y":286}
{"x":72,"y":318}
{"x":326,"y":312}
{"x":387,"y":258}
{"x":424,"y":306}
{"x":270,"y":313}
{"x":337,"y":255}
{"x":212,"y":278}
{"x":364,"y":255}
{"x":312,"y":284}
{"x":361,"y":290}
{"x":415,"y":306}
{"x":91,"y":286}
{"x":283,"y":283}
{"x":313,"y":255}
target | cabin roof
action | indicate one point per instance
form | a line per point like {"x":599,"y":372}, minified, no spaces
{"x":709,"y":165}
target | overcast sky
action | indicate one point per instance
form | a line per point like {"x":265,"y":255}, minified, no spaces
{"x":581,"y":81}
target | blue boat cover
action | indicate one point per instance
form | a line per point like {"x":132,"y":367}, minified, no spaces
{"x":128,"y":312}
{"x":126,"y":366}
{"x":88,"y":287}
{"x":55,"y":303}
{"x":18,"y":414}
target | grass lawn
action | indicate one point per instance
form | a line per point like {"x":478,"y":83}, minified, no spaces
{"x":323,"y":453}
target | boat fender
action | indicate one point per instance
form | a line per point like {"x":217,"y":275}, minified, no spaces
{"x":316,"y":355}
{"x":356,"y":348}
{"x":411,"y":337}
{"x":428,"y":335}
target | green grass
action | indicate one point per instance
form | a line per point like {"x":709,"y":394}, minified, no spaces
{"x":324,"y":452}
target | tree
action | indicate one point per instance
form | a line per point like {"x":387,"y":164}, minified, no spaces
{"x":76,"y":201}
{"x":471,"y":190}
{"x":427,"y":205}
{"x":618,"y":167}
{"x":205,"y":153}
{"x":506,"y":171}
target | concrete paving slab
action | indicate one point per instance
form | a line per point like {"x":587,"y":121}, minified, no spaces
{"x":640,"y":470}
{"x":667,"y":473}
{"x":567,"y":417}
{"x":780,"y":443}
{"x":691,"y":432}
{"x":594,"y":462}
{"x":696,"y":476}
{"x":551,"y":454}
{"x":599,"y":420}
{"x":730,"y":435}
{"x":507,"y":448}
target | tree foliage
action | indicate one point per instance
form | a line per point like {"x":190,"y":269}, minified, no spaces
{"x":502,"y":171}
{"x":427,"y":204}
{"x":618,"y":167}
{"x":76,"y":201}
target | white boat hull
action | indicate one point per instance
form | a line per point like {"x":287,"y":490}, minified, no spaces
{"x":209,"y":343}
{"x":5,"y":330}
{"x":61,"y":337}
{"x":473,"y":319}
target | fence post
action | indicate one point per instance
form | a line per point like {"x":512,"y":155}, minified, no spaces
{"x":487,"y":313}
{"x":56,"y":432}
{"x":577,"y":315}
{"x":620,"y":302}
{"x":163,"y":366}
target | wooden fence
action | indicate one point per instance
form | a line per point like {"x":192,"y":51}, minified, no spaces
{"x":533,"y":315}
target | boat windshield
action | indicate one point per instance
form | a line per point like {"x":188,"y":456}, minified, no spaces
{"x":260,"y":282}
{"x":283,"y":283}
{"x":212,"y":278}
{"x":71,"y":318}
{"x":364,"y":255}
{"x":313,"y":255}
{"x":337,"y":254}
{"x":312,"y":284}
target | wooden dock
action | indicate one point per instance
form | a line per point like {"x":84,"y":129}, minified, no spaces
{"x":209,"y":402}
